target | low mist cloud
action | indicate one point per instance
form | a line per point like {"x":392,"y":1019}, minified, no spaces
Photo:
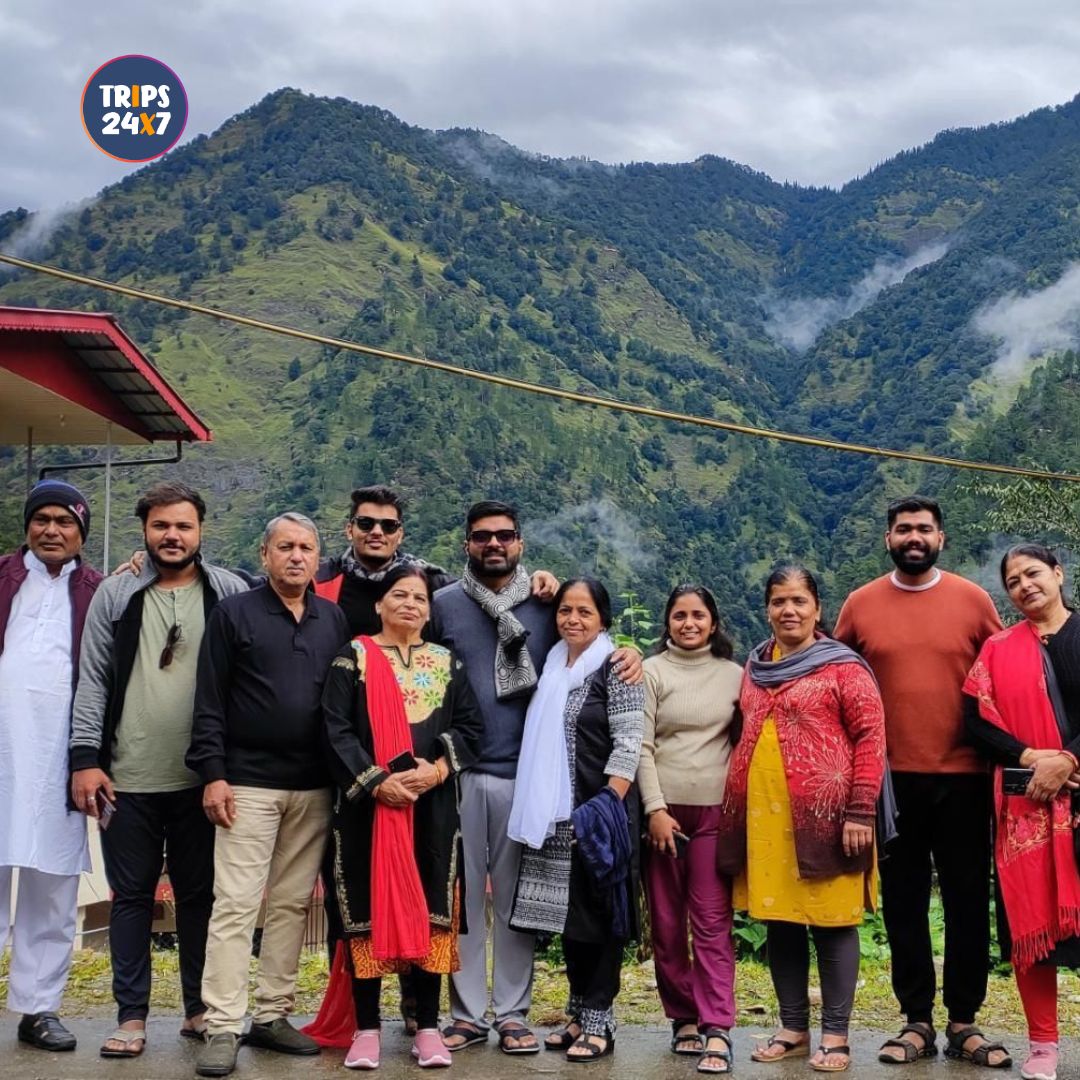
{"x":797,"y":323}
{"x":607,"y":525}
{"x":31,"y":239}
{"x":1031,"y":324}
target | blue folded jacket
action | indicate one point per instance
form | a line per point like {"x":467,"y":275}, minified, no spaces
{"x":602,"y":831}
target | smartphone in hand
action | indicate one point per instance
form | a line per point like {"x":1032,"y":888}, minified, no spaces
{"x":402,"y":763}
{"x":105,"y":809}
{"x":1015,"y":781}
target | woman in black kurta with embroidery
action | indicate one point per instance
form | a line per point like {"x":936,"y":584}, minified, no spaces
{"x":445,"y":726}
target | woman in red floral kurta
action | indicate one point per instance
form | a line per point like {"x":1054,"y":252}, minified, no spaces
{"x":799,"y":812}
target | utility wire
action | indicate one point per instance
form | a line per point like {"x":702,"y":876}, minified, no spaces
{"x":538,"y":388}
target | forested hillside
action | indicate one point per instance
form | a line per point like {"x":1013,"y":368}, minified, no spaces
{"x":702,"y":287}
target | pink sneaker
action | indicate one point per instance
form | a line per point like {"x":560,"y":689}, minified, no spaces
{"x":364,"y":1052}
{"x":1041,"y":1063}
{"x":429,"y":1049}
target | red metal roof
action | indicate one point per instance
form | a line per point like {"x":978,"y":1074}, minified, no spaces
{"x":64,"y":373}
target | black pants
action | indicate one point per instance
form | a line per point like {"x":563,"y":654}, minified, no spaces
{"x":146,"y":831}
{"x":838,"y":968}
{"x":593,"y":969}
{"x":425,"y":986}
{"x":944,"y":820}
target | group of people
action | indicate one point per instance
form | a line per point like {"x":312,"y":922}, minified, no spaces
{"x":424,"y":742}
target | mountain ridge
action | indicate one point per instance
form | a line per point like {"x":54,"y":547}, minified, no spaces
{"x":647,"y":282}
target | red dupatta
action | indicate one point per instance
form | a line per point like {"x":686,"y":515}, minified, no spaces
{"x":1034,"y":844}
{"x":400,"y":929}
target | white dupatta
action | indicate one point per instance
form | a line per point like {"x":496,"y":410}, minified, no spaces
{"x":543,"y":793}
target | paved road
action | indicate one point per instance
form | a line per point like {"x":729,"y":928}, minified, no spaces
{"x":641,"y":1054}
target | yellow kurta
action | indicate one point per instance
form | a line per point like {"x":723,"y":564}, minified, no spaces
{"x":770,"y":886}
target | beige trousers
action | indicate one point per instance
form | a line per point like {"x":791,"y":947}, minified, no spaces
{"x":275,"y":846}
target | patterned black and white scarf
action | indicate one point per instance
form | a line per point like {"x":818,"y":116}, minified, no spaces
{"x":352,"y":567}
{"x":515,"y":673}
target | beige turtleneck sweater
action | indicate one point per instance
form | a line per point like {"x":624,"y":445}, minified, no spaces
{"x":690,"y":701}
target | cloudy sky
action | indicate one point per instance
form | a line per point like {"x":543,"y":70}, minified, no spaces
{"x":816,"y":91}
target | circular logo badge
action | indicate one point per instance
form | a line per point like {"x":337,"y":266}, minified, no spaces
{"x":134,"y":108}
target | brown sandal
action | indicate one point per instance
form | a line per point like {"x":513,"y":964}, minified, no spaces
{"x":912,"y":1052}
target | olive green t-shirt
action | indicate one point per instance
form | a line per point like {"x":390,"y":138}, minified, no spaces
{"x":155,"y":726}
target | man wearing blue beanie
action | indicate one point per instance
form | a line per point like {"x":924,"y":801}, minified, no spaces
{"x":45,"y":591}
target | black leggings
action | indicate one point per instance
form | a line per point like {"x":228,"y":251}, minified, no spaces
{"x":425,"y":985}
{"x":838,"y":967}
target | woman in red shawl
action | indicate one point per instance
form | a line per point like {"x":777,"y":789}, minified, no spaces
{"x":401,"y":723}
{"x":1024,"y":713}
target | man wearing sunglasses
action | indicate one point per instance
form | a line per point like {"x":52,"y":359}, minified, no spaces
{"x":493,"y":620}
{"x":45,"y":590}
{"x":375,"y":529}
{"x":131,"y":729}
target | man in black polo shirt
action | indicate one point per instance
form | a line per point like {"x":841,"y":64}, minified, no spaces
{"x":256,"y":744}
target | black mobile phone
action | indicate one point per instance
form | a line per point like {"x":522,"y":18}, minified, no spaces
{"x":682,"y":842}
{"x":1015,"y":781}
{"x":402,"y":763}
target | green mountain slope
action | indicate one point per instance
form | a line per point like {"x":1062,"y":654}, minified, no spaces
{"x":656,"y":284}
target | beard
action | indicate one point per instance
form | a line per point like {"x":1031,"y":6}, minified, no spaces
{"x":505,"y":564}
{"x":174,"y":564}
{"x":913,"y":561}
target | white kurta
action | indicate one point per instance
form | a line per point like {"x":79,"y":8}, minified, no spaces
{"x":36,"y":829}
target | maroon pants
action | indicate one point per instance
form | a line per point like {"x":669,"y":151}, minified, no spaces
{"x":689,"y":893}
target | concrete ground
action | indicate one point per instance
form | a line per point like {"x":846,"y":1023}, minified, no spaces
{"x":641,"y":1054}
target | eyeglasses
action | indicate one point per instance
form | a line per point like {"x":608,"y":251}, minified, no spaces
{"x":174,"y":637}
{"x":388,"y":525}
{"x":485,"y":536}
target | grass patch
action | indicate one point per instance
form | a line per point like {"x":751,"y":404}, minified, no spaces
{"x":89,"y":995}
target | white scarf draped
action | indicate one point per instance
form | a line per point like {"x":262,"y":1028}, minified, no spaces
{"x":543,"y":793}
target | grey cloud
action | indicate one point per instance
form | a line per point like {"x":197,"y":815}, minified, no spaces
{"x":815,"y":92}
{"x":797,"y":322}
{"x":1030,"y":325}
{"x":610,"y":529}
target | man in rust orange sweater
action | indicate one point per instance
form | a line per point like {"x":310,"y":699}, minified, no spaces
{"x":920,"y":629}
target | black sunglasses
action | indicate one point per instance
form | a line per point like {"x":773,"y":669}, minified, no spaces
{"x":174,"y":637}
{"x":485,"y":536}
{"x":388,"y":525}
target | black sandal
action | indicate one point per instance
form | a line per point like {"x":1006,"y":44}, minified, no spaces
{"x":981,"y":1054}
{"x":469,"y":1036}
{"x":563,"y":1040}
{"x":517,"y":1032}
{"x":678,"y":1042}
{"x":912,"y":1052}
{"x":595,"y":1051}
{"x":724,"y":1058}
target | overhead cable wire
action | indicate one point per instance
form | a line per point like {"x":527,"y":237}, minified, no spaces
{"x":523,"y":385}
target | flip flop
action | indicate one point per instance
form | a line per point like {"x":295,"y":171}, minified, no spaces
{"x":791,"y":1050}
{"x":468,"y":1035}
{"x":518,"y":1032}
{"x":824,"y":1066}
{"x":123,"y":1035}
